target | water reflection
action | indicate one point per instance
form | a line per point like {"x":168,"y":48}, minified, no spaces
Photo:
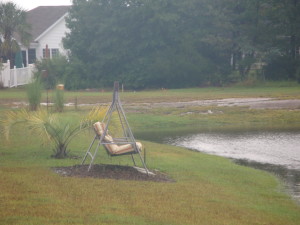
{"x":278,"y":148}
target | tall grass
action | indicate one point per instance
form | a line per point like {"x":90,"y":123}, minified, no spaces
{"x":34,"y":92}
{"x":58,"y":100}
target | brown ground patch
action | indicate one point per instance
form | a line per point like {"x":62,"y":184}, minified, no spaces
{"x":133,"y":106}
{"x":111,"y":172}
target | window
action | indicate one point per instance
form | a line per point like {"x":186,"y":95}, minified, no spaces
{"x":54,"y":52}
{"x":31,"y":56}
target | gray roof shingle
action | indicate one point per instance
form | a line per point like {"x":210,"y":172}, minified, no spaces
{"x":42,"y":17}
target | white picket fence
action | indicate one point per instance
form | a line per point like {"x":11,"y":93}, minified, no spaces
{"x":17,"y":76}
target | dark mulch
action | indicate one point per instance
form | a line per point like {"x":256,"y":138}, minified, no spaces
{"x":111,"y":172}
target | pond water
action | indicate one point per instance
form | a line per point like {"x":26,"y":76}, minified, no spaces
{"x":276,"y":152}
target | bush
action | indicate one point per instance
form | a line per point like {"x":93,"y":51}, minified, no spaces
{"x":52,"y":70}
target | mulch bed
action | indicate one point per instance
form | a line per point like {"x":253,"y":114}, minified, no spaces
{"x":111,"y":172}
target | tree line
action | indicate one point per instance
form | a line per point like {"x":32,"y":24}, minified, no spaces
{"x":175,"y":43}
{"x":171,"y":43}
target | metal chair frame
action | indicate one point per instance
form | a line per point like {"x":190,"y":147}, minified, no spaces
{"x":128,"y":138}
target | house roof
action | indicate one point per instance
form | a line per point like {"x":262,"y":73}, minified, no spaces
{"x":43,"y":17}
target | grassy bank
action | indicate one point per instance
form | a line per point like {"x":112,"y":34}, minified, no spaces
{"x":208,"y":189}
{"x":219,"y":118}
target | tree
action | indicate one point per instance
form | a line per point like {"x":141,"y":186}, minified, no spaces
{"x":144,"y":43}
{"x":244,"y":30}
{"x":286,"y":14}
{"x":283,"y":57}
{"x":175,"y":43}
{"x":12,"y":24}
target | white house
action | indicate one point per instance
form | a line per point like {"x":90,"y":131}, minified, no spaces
{"x":48,"y":27}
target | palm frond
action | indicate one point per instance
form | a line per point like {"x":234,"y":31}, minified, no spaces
{"x":10,"y":119}
{"x":96,"y":114}
{"x":48,"y":127}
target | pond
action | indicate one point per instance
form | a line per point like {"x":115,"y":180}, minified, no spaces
{"x":275,"y":151}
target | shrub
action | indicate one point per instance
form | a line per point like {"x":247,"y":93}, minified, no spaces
{"x":34,"y":93}
{"x":55,"y":70}
{"x":58,"y":100}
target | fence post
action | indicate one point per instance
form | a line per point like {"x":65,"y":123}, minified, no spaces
{"x":30,"y":72}
{"x":27,"y":72}
{"x":15,"y":77}
{"x":6,"y":74}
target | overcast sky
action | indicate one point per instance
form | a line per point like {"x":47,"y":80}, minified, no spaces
{"x":30,"y":4}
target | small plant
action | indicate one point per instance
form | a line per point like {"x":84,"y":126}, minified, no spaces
{"x":51,"y":128}
{"x":34,"y":93}
{"x":58,"y":100}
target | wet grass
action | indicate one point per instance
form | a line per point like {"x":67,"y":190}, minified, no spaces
{"x":207,"y":118}
{"x":279,"y":90}
{"x":208,"y":189}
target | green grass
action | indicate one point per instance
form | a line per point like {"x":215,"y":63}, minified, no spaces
{"x":208,"y":189}
{"x":280,"y":90}
{"x":222,"y":118}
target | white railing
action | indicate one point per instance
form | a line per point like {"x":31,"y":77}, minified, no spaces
{"x":17,"y":76}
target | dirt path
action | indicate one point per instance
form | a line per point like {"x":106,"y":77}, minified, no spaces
{"x":253,"y":103}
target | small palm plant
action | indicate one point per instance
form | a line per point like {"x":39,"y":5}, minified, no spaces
{"x":49,"y":127}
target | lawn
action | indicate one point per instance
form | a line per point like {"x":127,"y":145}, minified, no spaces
{"x":279,"y":90}
{"x":208,"y":189}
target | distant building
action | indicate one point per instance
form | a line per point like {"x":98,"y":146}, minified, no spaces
{"x":48,"y":27}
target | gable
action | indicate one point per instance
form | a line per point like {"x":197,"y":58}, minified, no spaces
{"x":43,"y":18}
